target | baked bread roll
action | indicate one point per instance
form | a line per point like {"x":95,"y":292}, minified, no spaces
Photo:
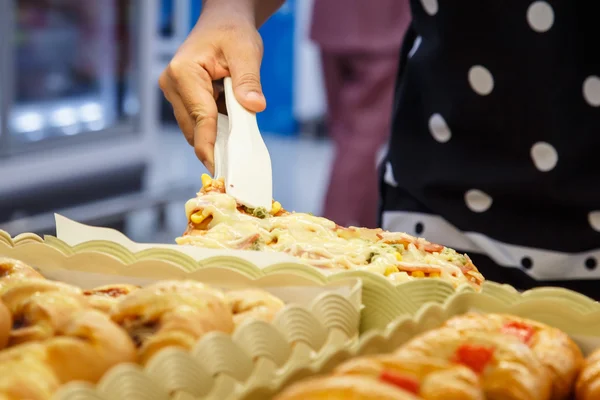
{"x":5,"y":325}
{"x":344,"y":388}
{"x":507,"y":367}
{"x":103,"y":298}
{"x":588,"y":383}
{"x":172,"y":313}
{"x":84,"y":348}
{"x":253,"y":304}
{"x":27,"y":378}
{"x":554,"y":348}
{"x":15,"y":270}
{"x":39,"y":307}
{"x":430,"y":378}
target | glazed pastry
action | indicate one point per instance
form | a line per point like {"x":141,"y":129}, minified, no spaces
{"x":172,"y":313}
{"x":26,"y":378}
{"x":39,"y":307}
{"x":84,"y":348}
{"x":11,"y":270}
{"x":103,"y":298}
{"x":5,"y":325}
{"x":588,"y":383}
{"x":507,"y":367}
{"x":554,"y":348}
{"x":253,"y":304}
{"x":430,"y":378}
{"x":344,"y":388}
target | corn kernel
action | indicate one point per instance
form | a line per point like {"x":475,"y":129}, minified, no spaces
{"x":390,"y":270}
{"x":418,"y":274}
{"x":206,"y":180}
{"x":276,"y":207}
{"x":398,"y":256}
{"x":197,"y":217}
{"x":434,"y":275}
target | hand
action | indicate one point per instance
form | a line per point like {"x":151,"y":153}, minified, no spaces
{"x":223,"y":43}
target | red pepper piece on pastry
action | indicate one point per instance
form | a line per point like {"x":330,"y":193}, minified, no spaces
{"x":103,"y":298}
{"x":406,"y":382}
{"x":477,"y":358}
{"x":519,"y":329}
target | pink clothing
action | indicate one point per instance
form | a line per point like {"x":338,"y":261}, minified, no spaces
{"x":360,"y":25}
{"x":359,"y":97}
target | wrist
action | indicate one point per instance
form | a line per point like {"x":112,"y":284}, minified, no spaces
{"x":235,"y":9}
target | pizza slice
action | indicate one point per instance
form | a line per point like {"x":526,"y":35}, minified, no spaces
{"x":216,"y":220}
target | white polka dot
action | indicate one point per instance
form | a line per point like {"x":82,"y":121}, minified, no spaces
{"x":544,"y":156}
{"x":415,"y":46}
{"x":388,"y":177}
{"x":481,"y":80}
{"x":430,"y":6}
{"x":478,"y":201}
{"x":439,"y":128}
{"x":540,"y":16}
{"x":594,"y":219}
{"x":591,"y":90}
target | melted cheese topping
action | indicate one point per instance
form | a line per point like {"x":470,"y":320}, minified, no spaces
{"x":322,"y":243}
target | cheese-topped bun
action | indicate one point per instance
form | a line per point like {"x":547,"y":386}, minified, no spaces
{"x":556,"y":351}
{"x":39,"y":307}
{"x":253,"y":304}
{"x":172,"y":313}
{"x":430,"y":378}
{"x":103,"y":298}
{"x":344,"y":388}
{"x":588,"y":383}
{"x":11,"y":270}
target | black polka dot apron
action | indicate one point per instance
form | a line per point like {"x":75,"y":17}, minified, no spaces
{"x":495,"y":146}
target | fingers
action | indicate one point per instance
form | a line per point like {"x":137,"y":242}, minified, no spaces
{"x":244,"y":67}
{"x":190,"y":87}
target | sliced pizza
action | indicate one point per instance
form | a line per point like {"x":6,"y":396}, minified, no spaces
{"x":216,"y":220}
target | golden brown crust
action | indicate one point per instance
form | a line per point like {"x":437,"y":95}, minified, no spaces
{"x":588,"y":383}
{"x":172,"y":313}
{"x":437,"y":379}
{"x":554,"y":348}
{"x":15,"y":270}
{"x":253,"y":304}
{"x":104,"y":298}
{"x":84,"y":348}
{"x":26,"y":378}
{"x":39,"y":307}
{"x":5,"y":325}
{"x":344,"y":388}
{"x":509,"y":369}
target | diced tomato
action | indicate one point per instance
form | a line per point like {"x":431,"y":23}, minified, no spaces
{"x":474,"y":356}
{"x":405,"y":382}
{"x":521,"y":330}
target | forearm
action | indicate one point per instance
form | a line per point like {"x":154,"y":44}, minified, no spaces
{"x":257,"y":10}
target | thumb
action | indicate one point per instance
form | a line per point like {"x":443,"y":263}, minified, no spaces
{"x":245,"y":77}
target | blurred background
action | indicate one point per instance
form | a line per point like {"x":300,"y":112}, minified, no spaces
{"x":85,"y":131}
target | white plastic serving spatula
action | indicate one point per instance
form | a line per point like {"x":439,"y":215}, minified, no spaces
{"x":241,"y":156}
